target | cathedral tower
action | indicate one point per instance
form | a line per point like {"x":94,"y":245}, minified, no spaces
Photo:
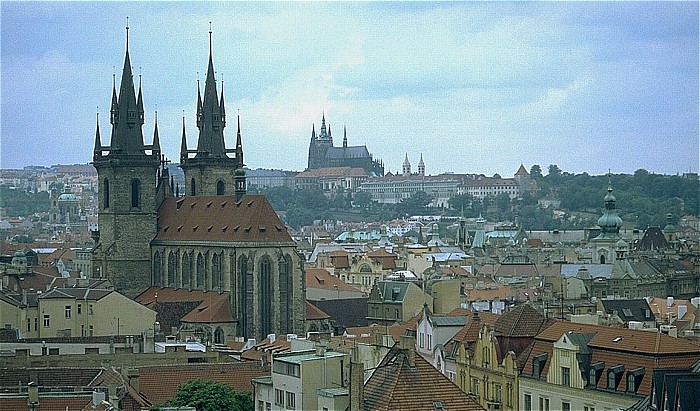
{"x":126,"y":171}
{"x":210,"y":171}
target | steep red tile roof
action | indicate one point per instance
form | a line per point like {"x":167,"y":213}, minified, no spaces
{"x":220,"y":218}
{"x":522,"y":321}
{"x":215,"y":308}
{"x":194,"y":306}
{"x":315,"y":313}
{"x":321,"y":278}
{"x":159,"y":383}
{"x":280,"y":345}
{"x":395,"y":385}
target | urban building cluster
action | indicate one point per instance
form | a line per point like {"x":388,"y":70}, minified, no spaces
{"x":141,"y":278}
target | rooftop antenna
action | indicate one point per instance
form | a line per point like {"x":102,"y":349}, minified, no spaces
{"x":127,"y":33}
{"x":210,"y":47}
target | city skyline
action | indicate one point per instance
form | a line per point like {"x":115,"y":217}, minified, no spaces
{"x":473,"y":87}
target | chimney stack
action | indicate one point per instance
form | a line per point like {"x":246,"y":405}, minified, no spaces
{"x":408,"y":345}
{"x":357,"y":381}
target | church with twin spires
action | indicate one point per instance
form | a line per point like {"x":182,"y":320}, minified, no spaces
{"x":216,"y":238}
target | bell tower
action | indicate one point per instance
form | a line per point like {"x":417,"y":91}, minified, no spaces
{"x":126,"y":171}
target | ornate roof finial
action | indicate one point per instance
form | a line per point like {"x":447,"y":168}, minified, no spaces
{"x":127,"y":33}
{"x":210,"y":40}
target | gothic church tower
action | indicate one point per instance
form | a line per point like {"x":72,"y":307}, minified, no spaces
{"x":210,"y":171}
{"x":126,"y":171}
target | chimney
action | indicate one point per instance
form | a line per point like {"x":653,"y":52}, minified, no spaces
{"x":669,"y":301}
{"x":97,"y":398}
{"x":271,"y":338}
{"x":33,"y":395}
{"x":321,"y":347}
{"x":113,"y":399}
{"x":408,"y":345}
{"x":132,"y":376}
{"x":357,"y":381}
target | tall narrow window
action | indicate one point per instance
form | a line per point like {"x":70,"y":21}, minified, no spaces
{"x":186,"y":269}
{"x":105,"y":195}
{"x":135,"y":193}
{"x":200,"y":272}
{"x":244,"y":297}
{"x":219,"y":188}
{"x":265,"y":306}
{"x":216,"y":266}
{"x":172,"y":266}
{"x":193,"y":188}
{"x":285,"y":294}
{"x":157,"y":269}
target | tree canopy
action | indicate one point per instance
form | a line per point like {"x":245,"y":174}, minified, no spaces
{"x":206,"y":395}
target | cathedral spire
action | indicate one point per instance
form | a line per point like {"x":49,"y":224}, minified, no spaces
{"x":126,"y":110}
{"x":345,"y":136}
{"x":313,"y":132}
{"x":139,"y":103}
{"x":323,"y":125}
{"x":211,"y":122}
{"x":221,"y":103}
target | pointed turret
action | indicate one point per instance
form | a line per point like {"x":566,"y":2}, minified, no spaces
{"x":139,"y":104}
{"x":406,"y":167}
{"x":156,"y":139}
{"x":313,"y":133}
{"x":330,"y":135}
{"x":239,"y":145}
{"x":199,"y":106}
{"x":421,"y":166}
{"x":183,"y":143}
{"x":114,"y":108}
{"x":323,"y":125}
{"x":97,"y":152}
{"x":221,"y":106}
{"x":345,"y":137}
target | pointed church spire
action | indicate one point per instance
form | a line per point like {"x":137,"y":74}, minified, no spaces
{"x":199,"y":104}
{"x":183,"y":143}
{"x":156,"y":139}
{"x":329,"y":130}
{"x":97,"y":152}
{"x":127,"y":133}
{"x":211,"y":134}
{"x":114,"y":109}
{"x":313,"y":132}
{"x":345,"y":136}
{"x":323,"y":125}
{"x":239,"y":145}
{"x":139,"y":103}
{"x":221,"y":103}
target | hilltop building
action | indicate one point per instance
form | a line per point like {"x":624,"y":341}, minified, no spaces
{"x":322,"y":153}
{"x":216,"y":238}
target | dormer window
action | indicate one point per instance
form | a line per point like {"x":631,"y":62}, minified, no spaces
{"x":538,"y":364}
{"x":614,"y":376}
{"x":594,"y":374}
{"x":634,"y":379}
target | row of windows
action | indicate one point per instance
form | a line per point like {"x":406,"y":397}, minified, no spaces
{"x":281,"y":396}
{"x":543,"y":404}
{"x":135,"y":194}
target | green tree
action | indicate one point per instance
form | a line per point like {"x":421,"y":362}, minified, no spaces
{"x":554,"y":171}
{"x":461,"y":202}
{"x":363,"y":200}
{"x":414,"y":205}
{"x":536,"y":172}
{"x":206,"y":395}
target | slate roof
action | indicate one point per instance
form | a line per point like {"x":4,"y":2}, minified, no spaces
{"x":395,"y":385}
{"x":333,"y":172}
{"x":220,"y":218}
{"x":629,"y":310}
{"x":347,"y":152}
{"x":159,"y":383}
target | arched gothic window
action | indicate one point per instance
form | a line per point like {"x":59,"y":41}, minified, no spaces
{"x":220,"y":188}
{"x":265,"y":296}
{"x":186,"y":269}
{"x":193,"y":188}
{"x":200,"y":272}
{"x":216,"y":272}
{"x":157,"y":269}
{"x":245,"y":298}
{"x":172,"y":266}
{"x":286,"y":293}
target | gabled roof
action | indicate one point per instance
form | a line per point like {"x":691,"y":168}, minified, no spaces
{"x":629,"y":310}
{"x":522,"y":321}
{"x":322,"y":279}
{"x":395,"y":385}
{"x":175,"y":305}
{"x":220,"y":218}
{"x":76,"y":293}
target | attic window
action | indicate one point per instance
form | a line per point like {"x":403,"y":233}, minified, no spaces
{"x":210,"y":227}
{"x":438,"y":405}
{"x":209,"y":204}
{"x":224,"y":228}
{"x":193,"y":204}
{"x":320,"y":280}
{"x":250,"y":203}
{"x":238,"y":203}
{"x":223,"y":204}
{"x":247,"y":229}
{"x":178,"y":203}
{"x":195,"y":228}
{"x":617,"y":339}
{"x":236,"y":228}
{"x":165,"y":230}
{"x":262,"y":229}
{"x":278,"y":227}
{"x":179,"y":228}
{"x":594,"y":373}
{"x":538,"y":364}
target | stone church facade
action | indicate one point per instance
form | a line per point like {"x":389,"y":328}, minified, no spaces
{"x":216,"y":238}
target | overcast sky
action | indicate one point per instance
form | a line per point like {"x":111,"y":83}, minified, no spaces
{"x":476,"y":87}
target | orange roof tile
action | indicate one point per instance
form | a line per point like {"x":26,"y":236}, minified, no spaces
{"x":315,"y":313}
{"x":220,"y":218}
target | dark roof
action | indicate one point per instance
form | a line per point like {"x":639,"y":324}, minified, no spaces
{"x":220,"y":218}
{"x":395,"y":385}
{"x":347,"y":152}
{"x":315,"y":313}
{"x":522,"y":321}
{"x":629,"y":310}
